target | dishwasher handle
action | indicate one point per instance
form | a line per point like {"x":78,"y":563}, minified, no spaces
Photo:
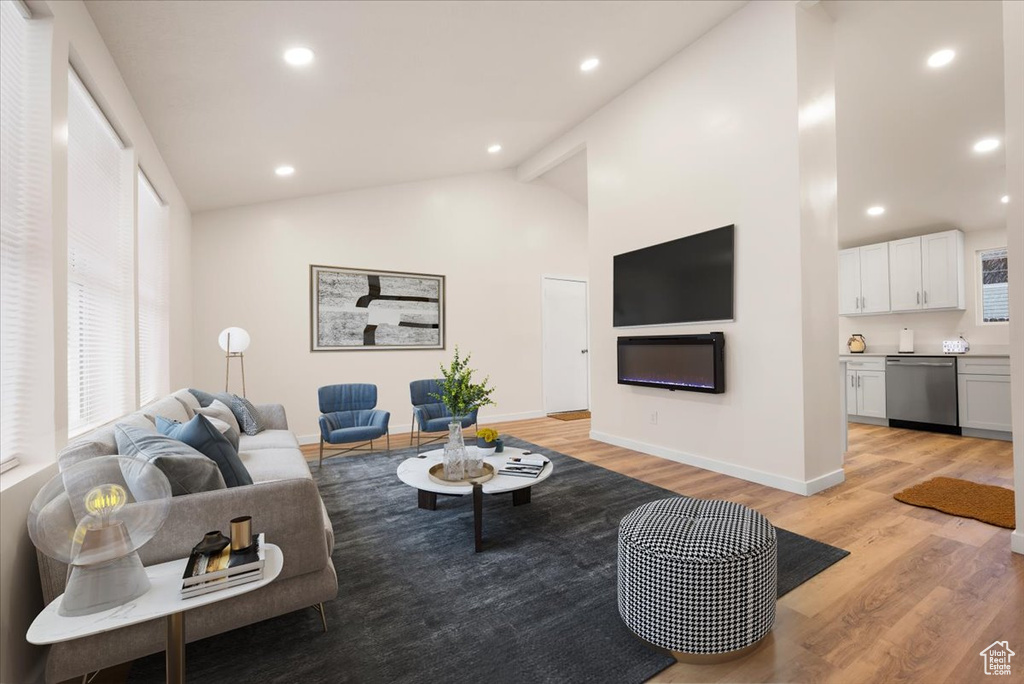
{"x":941,"y":363}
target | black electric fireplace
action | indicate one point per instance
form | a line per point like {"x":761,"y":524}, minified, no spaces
{"x":694,"y":363}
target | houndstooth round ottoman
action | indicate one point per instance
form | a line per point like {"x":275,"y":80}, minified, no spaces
{"x":698,"y":577}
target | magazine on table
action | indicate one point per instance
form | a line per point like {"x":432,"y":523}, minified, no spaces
{"x":527,"y":465}
{"x":203,"y":568}
{"x":221,"y":583}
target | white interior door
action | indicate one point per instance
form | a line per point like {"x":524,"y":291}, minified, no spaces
{"x":566,"y":356}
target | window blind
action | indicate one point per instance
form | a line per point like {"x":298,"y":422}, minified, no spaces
{"x":154,"y":294}
{"x":26,"y":281}
{"x":101,"y":305}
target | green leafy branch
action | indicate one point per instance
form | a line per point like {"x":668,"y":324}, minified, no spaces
{"x":458,"y":391}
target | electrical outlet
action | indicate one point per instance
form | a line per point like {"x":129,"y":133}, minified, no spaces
{"x":654,"y":417}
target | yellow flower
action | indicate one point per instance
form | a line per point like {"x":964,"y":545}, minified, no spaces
{"x":487,"y":434}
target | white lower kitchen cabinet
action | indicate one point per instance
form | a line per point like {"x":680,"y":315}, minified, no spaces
{"x":865,"y":388}
{"x":984,"y":402}
{"x":871,"y":393}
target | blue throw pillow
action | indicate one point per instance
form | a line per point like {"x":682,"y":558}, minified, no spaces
{"x":200,"y":434}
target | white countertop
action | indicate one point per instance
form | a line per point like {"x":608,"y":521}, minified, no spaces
{"x":930,"y":350}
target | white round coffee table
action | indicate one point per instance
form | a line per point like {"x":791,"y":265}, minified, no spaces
{"x":414,"y":472}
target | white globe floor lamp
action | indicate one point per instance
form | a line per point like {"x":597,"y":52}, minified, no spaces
{"x":234,"y":342}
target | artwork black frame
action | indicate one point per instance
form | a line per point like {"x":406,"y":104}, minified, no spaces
{"x":376,"y":290}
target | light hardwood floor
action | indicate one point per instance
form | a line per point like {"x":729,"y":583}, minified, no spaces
{"x":917,"y":599}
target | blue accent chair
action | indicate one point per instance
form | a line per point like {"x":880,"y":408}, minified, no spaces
{"x":429,"y":414}
{"x":348,"y":415}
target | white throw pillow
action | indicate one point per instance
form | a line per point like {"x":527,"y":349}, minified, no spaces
{"x":219,"y":410}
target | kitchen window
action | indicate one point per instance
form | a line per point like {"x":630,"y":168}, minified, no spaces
{"x":994,"y":287}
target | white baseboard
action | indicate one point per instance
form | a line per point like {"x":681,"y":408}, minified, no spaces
{"x":787,"y":484}
{"x":405,"y":427}
{"x":1017,"y":541}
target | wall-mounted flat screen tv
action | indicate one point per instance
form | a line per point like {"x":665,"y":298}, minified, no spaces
{"x":681,"y":281}
{"x":695,"y":363}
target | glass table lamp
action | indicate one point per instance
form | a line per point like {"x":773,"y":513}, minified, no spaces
{"x":94,"y":516}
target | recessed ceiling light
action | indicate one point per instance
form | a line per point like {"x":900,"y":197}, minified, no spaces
{"x":494,"y":149}
{"x":298,"y":56}
{"x":986,"y":145}
{"x":941,"y":58}
{"x":1005,"y":199}
{"x":284,"y":170}
{"x":589,"y":64}
{"x":876,"y":211}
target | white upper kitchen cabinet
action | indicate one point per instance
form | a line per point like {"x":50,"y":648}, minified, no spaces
{"x":874,"y":279}
{"x":864,"y":280}
{"x":849,"y":282}
{"x":942,"y":270}
{"x":905,"y":274}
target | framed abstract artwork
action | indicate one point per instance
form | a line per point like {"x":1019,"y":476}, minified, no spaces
{"x":356,"y":309}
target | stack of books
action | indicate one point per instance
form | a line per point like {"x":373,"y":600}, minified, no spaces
{"x":205,"y":573}
{"x":524,"y":466}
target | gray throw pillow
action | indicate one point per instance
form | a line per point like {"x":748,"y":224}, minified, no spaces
{"x":188,"y":471}
{"x":220,"y":411}
{"x":200,"y":434}
{"x":248,"y":417}
{"x":204,"y":398}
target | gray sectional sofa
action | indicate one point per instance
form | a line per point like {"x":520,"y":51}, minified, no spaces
{"x":284,"y":504}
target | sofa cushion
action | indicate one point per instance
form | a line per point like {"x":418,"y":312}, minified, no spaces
{"x":217,"y":409}
{"x":200,"y":434}
{"x":165,"y":407}
{"x":269,"y":439}
{"x":187,"y":470}
{"x":275,"y":464}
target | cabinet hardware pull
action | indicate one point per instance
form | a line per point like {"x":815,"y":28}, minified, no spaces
{"x":856,"y":303}
{"x":918,"y":297}
{"x":858,"y":381}
{"x":862,"y":300}
{"x":852,"y":380}
{"x":926,"y":296}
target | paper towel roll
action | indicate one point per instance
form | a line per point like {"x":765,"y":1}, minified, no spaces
{"x":906,"y":341}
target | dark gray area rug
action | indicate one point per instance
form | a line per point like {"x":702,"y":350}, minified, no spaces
{"x":416,"y":604}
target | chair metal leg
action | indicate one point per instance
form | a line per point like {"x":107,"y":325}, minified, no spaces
{"x":412,"y":427}
{"x":388,"y":435}
{"x":371,"y":445}
{"x":321,"y":452}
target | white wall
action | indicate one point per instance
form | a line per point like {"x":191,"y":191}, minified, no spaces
{"x":491,"y":236}
{"x":708,"y":139}
{"x":75,"y":39}
{"x":1013,"y":47}
{"x":932,"y":327}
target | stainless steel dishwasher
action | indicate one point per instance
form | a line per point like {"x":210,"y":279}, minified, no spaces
{"x":921,"y":389}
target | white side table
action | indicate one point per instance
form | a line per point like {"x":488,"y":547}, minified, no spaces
{"x":162,"y":600}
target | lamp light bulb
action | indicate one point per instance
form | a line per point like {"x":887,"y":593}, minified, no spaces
{"x":105,"y":500}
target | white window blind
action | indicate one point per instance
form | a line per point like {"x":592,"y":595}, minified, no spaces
{"x":154,"y":294}
{"x":101,"y":306}
{"x":26,"y":281}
